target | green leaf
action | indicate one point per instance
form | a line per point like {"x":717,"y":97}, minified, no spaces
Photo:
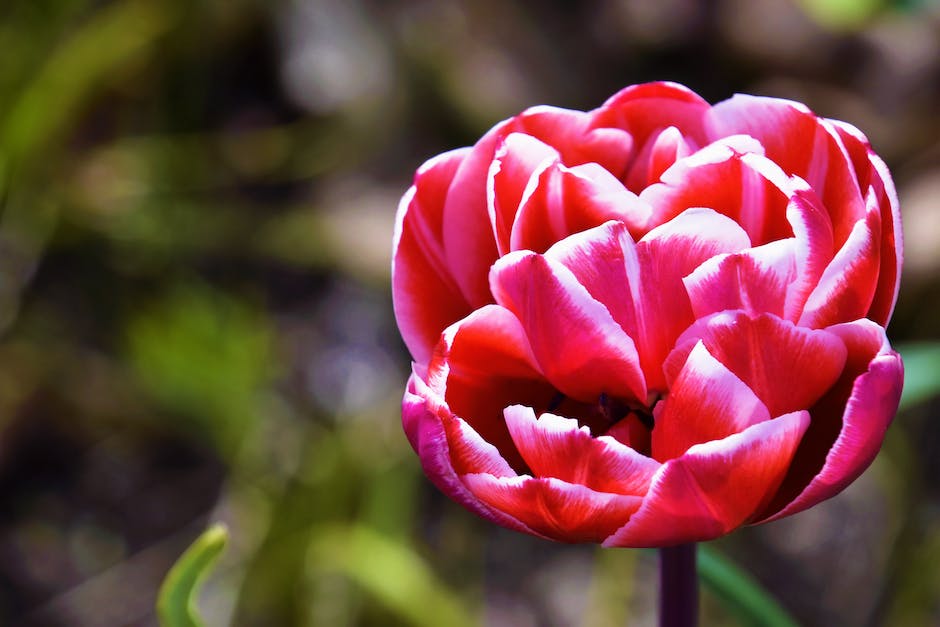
{"x":741,"y":595}
{"x":392,"y":573}
{"x":921,"y":372}
{"x":176,"y":602}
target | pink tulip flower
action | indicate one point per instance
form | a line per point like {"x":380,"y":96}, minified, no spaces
{"x":650,"y":323}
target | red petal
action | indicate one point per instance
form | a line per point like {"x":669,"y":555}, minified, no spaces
{"x":662,"y":149}
{"x":814,"y":248}
{"x":643,"y":109}
{"x":847,"y":287}
{"x":553,"y":446}
{"x":706,"y":402}
{"x":848,"y":424}
{"x":787,"y":366}
{"x":755,"y":280}
{"x":516,"y":160}
{"x":425,"y":293}
{"x":578,"y":345}
{"x":554,"y":508}
{"x":664,"y":257}
{"x":422,"y":412}
{"x":731,"y":178}
{"x":715,"y":487}
{"x":571,"y":200}
{"x":482,"y":365}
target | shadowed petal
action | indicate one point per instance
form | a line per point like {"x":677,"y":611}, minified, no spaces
{"x":553,"y":446}
{"x":553,"y":508}
{"x":715,"y":487}
{"x":422,"y":414}
{"x":483,"y":364}
{"x":849,"y":423}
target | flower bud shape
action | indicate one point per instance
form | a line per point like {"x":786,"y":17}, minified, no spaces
{"x":650,"y":323}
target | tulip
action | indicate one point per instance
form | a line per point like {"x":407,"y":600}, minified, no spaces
{"x":651,"y":323}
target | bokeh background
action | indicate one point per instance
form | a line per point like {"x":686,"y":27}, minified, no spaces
{"x":196,"y":208}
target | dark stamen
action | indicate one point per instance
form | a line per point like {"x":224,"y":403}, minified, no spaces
{"x":556,"y":401}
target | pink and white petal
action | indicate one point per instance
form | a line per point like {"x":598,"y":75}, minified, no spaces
{"x":661,"y":150}
{"x":814,"y":246}
{"x":848,"y":424}
{"x":664,"y":257}
{"x":553,"y":508}
{"x":643,"y":109}
{"x":565,"y":200}
{"x":847,"y":287}
{"x":421,"y":418}
{"x":597,"y":259}
{"x":755,"y":280}
{"x":788,"y":367}
{"x":468,"y":241}
{"x":557,"y":447}
{"x":482,"y":364}
{"x":425,"y":293}
{"x":788,"y":130}
{"x":518,"y":158}
{"x":889,"y":275}
{"x":715,"y":487}
{"x":706,"y":402}
{"x":579,"y":347}
{"x":731,"y":178}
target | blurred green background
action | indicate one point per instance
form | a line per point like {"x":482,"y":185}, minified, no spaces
{"x":196,"y":208}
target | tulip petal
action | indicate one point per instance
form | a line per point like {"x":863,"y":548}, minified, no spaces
{"x":517,"y":159}
{"x":715,"y":487}
{"x":787,"y":367}
{"x":814,"y":247}
{"x":847,"y":287}
{"x":570,"y":200}
{"x":664,"y":257}
{"x":554,"y":446}
{"x":849,"y":423}
{"x":755,"y":280}
{"x":425,"y":293}
{"x":553,"y":508}
{"x":644,"y":109}
{"x":706,"y":402}
{"x":483,"y":364}
{"x":421,"y":419}
{"x":731,"y":177}
{"x":579,"y":347}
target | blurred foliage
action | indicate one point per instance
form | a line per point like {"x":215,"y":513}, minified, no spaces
{"x":196,"y":208}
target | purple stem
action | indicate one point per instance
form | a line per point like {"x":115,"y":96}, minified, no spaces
{"x":678,"y":586}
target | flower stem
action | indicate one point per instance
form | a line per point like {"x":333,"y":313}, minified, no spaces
{"x":678,"y":586}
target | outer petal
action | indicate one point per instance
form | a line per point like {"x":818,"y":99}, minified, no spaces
{"x":578,"y":345}
{"x":873,"y":174}
{"x":787,"y":366}
{"x":706,"y":402}
{"x":483,"y":364}
{"x":715,"y":487}
{"x":422,"y":414}
{"x":553,"y":508}
{"x":849,"y":423}
{"x":553,"y":446}
{"x":425,"y":293}
{"x":801,"y":144}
